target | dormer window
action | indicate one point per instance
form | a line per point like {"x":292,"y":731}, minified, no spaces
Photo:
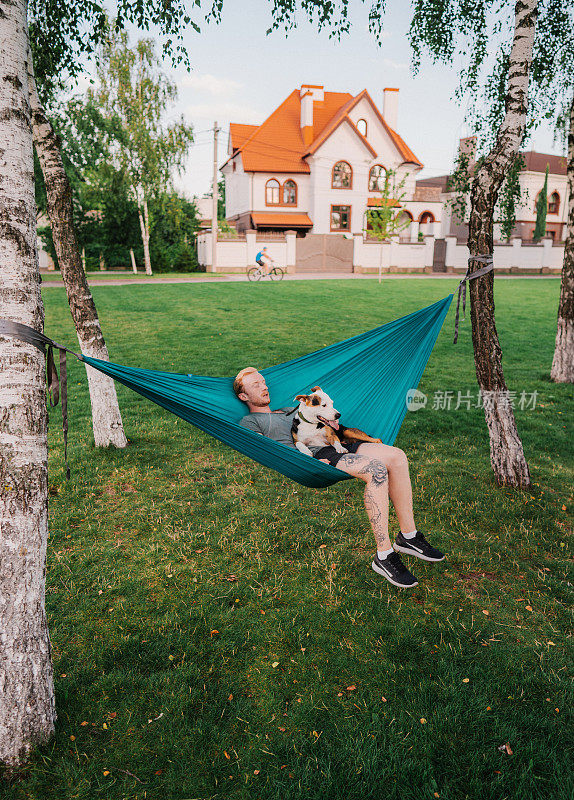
{"x":554,"y":203}
{"x":362,"y":126}
{"x":377,"y":178}
{"x":342,"y":177}
{"x":272,"y":193}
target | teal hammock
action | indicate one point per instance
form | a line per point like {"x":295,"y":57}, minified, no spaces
{"x":367,"y":376}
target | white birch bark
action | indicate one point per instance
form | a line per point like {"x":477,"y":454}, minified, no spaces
{"x":106,"y":417}
{"x":27,"y":707}
{"x":144,"y":226}
{"x":563,"y":362}
{"x":506,"y":451}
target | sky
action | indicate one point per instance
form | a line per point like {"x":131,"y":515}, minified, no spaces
{"x":240,"y":74}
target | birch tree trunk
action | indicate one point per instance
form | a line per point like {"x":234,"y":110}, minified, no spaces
{"x":144,"y":226}
{"x":506,"y":451}
{"x":27,"y":707}
{"x":563,"y":363}
{"x":106,"y":418}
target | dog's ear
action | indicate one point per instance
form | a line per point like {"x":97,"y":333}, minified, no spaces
{"x":316,"y":389}
{"x":301,"y":397}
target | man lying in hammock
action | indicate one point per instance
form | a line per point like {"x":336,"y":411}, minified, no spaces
{"x":384,"y":469}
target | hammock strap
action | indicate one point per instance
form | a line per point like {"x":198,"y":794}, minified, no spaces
{"x":488,"y":261}
{"x":56,"y":386}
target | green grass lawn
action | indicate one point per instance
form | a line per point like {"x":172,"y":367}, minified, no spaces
{"x":218,"y":631}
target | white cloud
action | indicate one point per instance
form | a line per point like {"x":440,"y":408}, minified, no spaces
{"x":236,"y":112}
{"x":209,"y":84}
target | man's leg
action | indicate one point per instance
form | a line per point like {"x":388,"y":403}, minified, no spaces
{"x":400,"y":492}
{"x":400,"y":489}
{"x":374,"y":472}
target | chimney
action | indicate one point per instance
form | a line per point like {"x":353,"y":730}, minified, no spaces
{"x":309,"y":94}
{"x":467,"y":147}
{"x":391,"y":107}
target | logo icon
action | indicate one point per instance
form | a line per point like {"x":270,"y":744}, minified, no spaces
{"x":415,"y":400}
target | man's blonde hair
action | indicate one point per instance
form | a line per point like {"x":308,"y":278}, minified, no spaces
{"x":238,"y":382}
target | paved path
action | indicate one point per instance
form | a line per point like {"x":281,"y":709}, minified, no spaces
{"x":308,"y":276}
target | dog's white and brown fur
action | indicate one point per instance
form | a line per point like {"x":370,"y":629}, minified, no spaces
{"x":317,"y":424}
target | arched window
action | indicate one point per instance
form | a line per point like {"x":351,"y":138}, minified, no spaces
{"x":554,"y":203}
{"x":272,"y":192}
{"x":377,"y":178}
{"x":342,"y":177}
{"x":290,"y":193}
{"x":426,"y":217}
{"x":361,"y":126}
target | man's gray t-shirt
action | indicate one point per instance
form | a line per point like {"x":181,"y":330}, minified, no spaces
{"x":276,"y":425}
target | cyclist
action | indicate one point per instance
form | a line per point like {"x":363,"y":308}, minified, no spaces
{"x":264,"y":260}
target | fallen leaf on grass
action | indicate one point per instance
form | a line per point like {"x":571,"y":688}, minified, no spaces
{"x":505,"y":748}
{"x":466,"y":680}
{"x":528,"y":608}
{"x":423,"y":721}
{"x":351,"y":688}
{"x":486,"y":613}
{"x":275,"y":664}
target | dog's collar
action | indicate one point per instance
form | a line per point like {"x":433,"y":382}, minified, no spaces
{"x":303,"y":418}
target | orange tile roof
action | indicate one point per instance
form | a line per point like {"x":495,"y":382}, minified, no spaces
{"x":277,"y":144}
{"x":240,"y":133}
{"x":374,"y":202}
{"x":285,"y":219}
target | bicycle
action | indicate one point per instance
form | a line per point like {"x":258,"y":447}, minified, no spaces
{"x":257,"y":273}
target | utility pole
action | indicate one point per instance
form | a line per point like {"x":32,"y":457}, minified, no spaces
{"x":214,"y":202}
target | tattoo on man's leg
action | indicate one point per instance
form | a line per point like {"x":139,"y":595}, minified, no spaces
{"x":376,"y":514}
{"x":366,"y":466}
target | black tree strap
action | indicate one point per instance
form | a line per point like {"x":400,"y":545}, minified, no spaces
{"x":56,"y":386}
{"x":489,"y":265}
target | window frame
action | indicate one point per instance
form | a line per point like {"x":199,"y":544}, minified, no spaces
{"x":341,"y":161}
{"x":279,"y":192}
{"x":343,"y":230}
{"x":366,"y":127}
{"x":554,"y":194}
{"x":369,"y":178}
{"x":284,"y":202}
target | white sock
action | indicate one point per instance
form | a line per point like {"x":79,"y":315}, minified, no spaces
{"x":410,"y":535}
{"x":385,"y":553}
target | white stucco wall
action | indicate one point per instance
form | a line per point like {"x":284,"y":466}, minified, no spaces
{"x":237,"y":188}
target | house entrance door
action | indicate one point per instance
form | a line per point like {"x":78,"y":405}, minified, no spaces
{"x":319,"y":252}
{"x":439,"y":256}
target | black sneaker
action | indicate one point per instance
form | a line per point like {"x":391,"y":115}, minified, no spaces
{"x":418,"y":546}
{"x":393,"y":569}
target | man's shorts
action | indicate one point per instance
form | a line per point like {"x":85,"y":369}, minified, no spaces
{"x":261,"y":263}
{"x":331,"y":454}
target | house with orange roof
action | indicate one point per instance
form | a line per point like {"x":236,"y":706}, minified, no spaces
{"x":531,"y":179}
{"x":317,"y":164}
